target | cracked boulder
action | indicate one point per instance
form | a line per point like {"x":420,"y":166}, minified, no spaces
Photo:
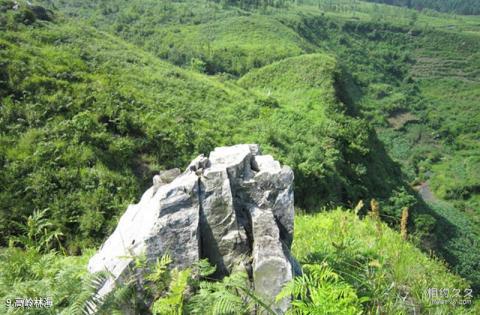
{"x":234,"y":208}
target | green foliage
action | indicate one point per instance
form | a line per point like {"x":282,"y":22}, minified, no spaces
{"x":75,"y":136}
{"x":198,"y":65}
{"x":255,"y":4}
{"x":328,"y":144}
{"x":203,"y":269}
{"x":29,"y":274}
{"x":84,"y":137}
{"x":387,"y":274}
{"x":459,"y":239}
{"x":457,"y":6}
{"x":232,"y":295}
{"x":157,"y":274}
{"x":173,"y":302}
{"x":14,"y":14}
{"x":319,"y":290}
{"x":36,"y":233}
{"x":455,"y":179}
{"x":91,"y":106}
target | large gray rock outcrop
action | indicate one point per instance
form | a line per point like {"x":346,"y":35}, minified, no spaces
{"x":234,"y":208}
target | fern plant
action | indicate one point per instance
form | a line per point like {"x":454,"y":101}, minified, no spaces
{"x":154,"y":288}
{"x":86,"y":301}
{"x":321,"y":291}
{"x":131,"y":296}
{"x":231,"y":296}
{"x":38,"y":233}
{"x":173,"y":302}
{"x":26,"y":273}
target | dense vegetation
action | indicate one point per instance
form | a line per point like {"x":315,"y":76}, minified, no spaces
{"x":351,"y":266}
{"x":362,"y":100}
{"x":461,"y":7}
{"x":87,"y":120}
{"x":385,"y":273}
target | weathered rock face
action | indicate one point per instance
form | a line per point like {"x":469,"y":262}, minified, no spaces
{"x":234,"y":208}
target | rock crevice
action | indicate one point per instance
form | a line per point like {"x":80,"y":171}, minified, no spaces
{"x":234,"y":208}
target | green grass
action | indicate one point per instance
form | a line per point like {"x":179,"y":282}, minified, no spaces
{"x":307,"y":83}
{"x":459,"y":240}
{"x":375,"y":261}
{"x":96,"y":101}
{"x":448,"y":72}
{"x":458,"y":6}
{"x":397,"y":16}
{"x":88,"y":118}
{"x":357,"y":265}
{"x":221,"y":46}
{"x":455,"y":179}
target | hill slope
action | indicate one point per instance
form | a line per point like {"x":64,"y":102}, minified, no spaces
{"x":469,"y":7}
{"x":308,"y":88}
{"x":390,"y":274}
{"x":97,"y":96}
{"x":350,"y":266}
{"x":88,"y":118}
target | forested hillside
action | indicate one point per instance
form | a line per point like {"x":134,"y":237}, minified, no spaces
{"x":468,"y":7}
{"x":364,"y":101}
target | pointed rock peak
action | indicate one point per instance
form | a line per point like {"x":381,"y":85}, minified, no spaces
{"x":234,"y":208}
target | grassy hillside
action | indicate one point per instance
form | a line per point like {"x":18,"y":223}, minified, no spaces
{"x":306,"y":84}
{"x":387,"y":49}
{"x":469,"y":7}
{"x":309,"y":87}
{"x":88,"y":118}
{"x":390,"y":274}
{"x":360,"y":99}
{"x":448,"y":71}
{"x":350,"y":265}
